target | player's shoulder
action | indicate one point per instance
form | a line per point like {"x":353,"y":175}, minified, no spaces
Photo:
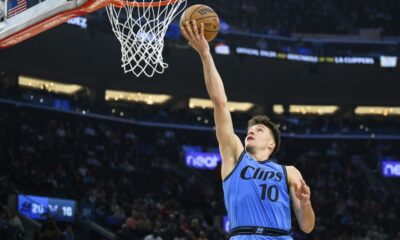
{"x":293,"y":174}
{"x":292,"y":171}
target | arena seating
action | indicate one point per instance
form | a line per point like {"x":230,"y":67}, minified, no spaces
{"x":123,"y":174}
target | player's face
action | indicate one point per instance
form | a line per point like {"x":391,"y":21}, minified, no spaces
{"x":259,"y":138}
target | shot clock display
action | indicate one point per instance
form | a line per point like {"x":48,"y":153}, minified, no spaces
{"x":37,"y":207}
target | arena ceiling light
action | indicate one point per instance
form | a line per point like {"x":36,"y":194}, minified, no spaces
{"x":313,"y":109}
{"x":233,"y":106}
{"x":376,"y":110}
{"x":388,"y":61}
{"x":222,"y":49}
{"x":148,"y":98}
{"x":278,"y":109}
{"x":48,"y":85}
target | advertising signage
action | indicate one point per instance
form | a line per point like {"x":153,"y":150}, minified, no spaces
{"x":390,"y":168}
{"x":202,"y":160}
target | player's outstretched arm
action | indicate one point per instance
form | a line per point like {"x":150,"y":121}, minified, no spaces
{"x":300,"y":194}
{"x":229,"y":143}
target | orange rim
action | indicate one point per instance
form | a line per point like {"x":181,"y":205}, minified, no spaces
{"x":121,"y":3}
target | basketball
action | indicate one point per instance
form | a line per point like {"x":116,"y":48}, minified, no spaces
{"x":202,"y":14}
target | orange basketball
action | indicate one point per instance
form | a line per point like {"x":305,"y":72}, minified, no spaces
{"x":202,"y":14}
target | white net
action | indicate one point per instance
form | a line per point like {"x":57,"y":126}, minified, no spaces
{"x":140,"y":26}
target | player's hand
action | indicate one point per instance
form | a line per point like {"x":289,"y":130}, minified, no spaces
{"x":303,"y":193}
{"x":195,"y":38}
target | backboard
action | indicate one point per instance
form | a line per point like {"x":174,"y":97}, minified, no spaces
{"x":24,"y":19}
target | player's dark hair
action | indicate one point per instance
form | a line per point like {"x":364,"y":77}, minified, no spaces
{"x":265,"y":120}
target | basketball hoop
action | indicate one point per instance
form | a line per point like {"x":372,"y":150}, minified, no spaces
{"x":140,"y":26}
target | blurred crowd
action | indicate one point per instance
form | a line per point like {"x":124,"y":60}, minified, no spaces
{"x":10,"y":224}
{"x":351,"y":198}
{"x":284,"y":17}
{"x":124,"y":181}
{"x":276,"y":17}
{"x":382,"y":15}
{"x":133,"y":181}
{"x":309,"y":16}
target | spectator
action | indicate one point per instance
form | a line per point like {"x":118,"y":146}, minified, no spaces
{"x":68,"y":233}
{"x":347,"y":206}
{"x":50,"y":230}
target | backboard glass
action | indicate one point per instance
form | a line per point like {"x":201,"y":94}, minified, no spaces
{"x":24,"y":19}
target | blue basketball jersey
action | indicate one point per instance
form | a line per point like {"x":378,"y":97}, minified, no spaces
{"x":256,"y":194}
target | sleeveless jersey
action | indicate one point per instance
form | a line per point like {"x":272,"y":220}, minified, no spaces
{"x":256,"y":194}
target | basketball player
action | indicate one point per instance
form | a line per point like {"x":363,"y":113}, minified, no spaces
{"x":257,"y":191}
